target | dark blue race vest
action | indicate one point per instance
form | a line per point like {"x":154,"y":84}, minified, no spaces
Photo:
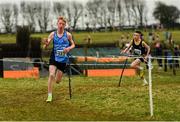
{"x":59,"y":43}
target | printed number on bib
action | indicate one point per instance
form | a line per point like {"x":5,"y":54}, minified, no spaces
{"x":137,"y":51}
{"x":60,"y":53}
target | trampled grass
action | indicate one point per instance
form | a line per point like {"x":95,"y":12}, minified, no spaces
{"x":94,"y":98}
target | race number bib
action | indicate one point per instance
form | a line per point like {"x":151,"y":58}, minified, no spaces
{"x":137,"y":52}
{"x":60,"y":53}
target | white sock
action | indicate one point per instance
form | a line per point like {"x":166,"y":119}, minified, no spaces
{"x":141,"y":68}
{"x":49,"y":94}
{"x":145,"y":81}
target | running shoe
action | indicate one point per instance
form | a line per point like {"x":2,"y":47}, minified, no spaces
{"x":49,"y":99}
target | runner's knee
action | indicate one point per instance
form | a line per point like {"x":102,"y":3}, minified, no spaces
{"x":52,"y":74}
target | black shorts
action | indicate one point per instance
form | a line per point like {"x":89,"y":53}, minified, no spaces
{"x":60,"y":66}
{"x":141,"y":59}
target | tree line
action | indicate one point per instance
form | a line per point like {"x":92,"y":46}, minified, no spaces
{"x":94,"y":14}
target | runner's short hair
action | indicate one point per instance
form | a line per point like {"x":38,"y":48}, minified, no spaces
{"x":62,"y":18}
{"x":139,"y":32}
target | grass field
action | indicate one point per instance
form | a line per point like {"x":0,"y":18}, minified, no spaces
{"x":94,"y":99}
{"x":97,"y":37}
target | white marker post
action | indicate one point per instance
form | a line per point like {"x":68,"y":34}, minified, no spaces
{"x":150,"y":86}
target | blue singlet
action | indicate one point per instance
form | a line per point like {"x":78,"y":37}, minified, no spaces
{"x":59,"y":43}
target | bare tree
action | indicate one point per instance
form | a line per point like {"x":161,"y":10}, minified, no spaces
{"x":111,"y":5}
{"x":120,"y":12}
{"x":7,"y":16}
{"x":135,"y":16}
{"x":135,"y":11}
{"x":77,"y":9}
{"x":92,"y":12}
{"x":23,"y":9}
{"x":29,"y":10}
{"x":42,"y":15}
{"x":145,"y":17}
{"x":15,"y":10}
{"x":67,"y":12}
{"x":128,"y":10}
{"x":141,"y":6}
{"x":103,"y":15}
{"x":73,"y":12}
{"x":58,"y":8}
{"x":97,"y":12}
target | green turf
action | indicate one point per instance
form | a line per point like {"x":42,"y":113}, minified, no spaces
{"x":7,"y":38}
{"x":97,"y":37}
{"x":94,"y":99}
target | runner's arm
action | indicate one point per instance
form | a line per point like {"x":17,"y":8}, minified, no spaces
{"x":48,"y":40}
{"x":66,"y":50}
{"x":129,"y":46}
